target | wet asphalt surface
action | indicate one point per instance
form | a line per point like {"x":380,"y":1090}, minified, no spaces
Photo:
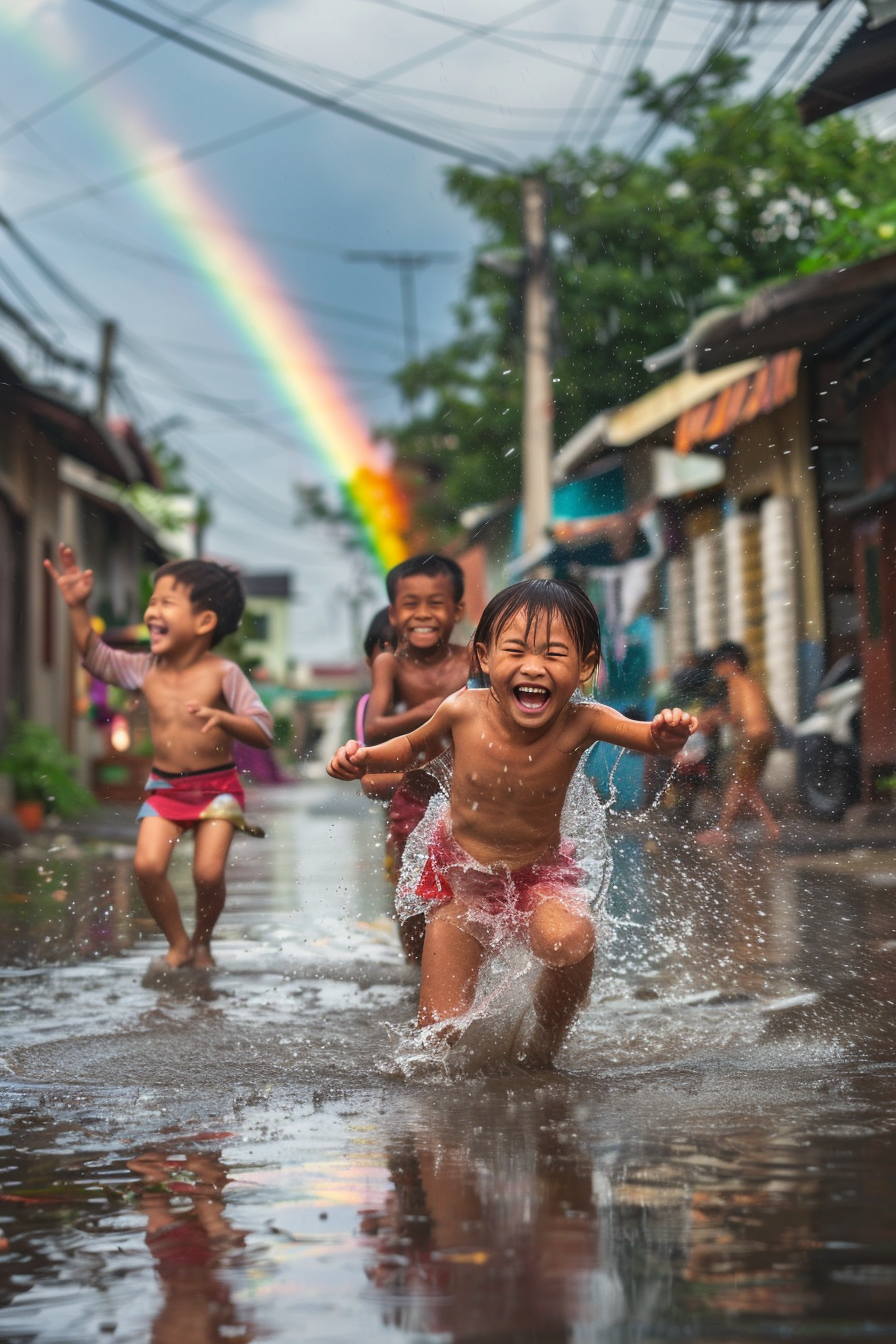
{"x":236,"y":1156}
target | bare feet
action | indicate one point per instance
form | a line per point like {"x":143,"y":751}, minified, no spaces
{"x":202,"y":957}
{"x":179,"y":955}
{"x":712,"y":839}
{"x":536,"y":1052}
{"x":449,"y":1032}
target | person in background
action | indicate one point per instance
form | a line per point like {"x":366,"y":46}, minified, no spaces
{"x":380,"y":638}
{"x":749,"y":714}
{"x":426,"y":601}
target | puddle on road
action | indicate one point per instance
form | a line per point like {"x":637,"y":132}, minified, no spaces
{"x":713,"y":1160}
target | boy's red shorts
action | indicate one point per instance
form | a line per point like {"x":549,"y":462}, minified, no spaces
{"x":197,"y":795}
{"x":407,"y":809}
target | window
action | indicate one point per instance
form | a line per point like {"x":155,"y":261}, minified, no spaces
{"x":256,"y":625}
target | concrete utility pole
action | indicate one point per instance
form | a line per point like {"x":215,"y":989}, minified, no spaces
{"x":407,"y":264}
{"x":108,"y":337}
{"x":538,"y":390}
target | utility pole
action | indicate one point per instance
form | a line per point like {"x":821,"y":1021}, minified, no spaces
{"x":407,"y":264}
{"x":538,"y":390}
{"x":108,"y":338}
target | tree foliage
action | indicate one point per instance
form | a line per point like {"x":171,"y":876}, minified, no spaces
{"x":739,"y":196}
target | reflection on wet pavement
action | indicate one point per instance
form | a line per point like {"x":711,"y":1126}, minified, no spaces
{"x":233,"y":1158}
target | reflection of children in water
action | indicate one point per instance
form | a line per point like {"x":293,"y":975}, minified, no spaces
{"x":466,"y":1250}
{"x":190,"y":1239}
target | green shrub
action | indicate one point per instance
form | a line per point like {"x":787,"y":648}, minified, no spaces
{"x":42,"y":770}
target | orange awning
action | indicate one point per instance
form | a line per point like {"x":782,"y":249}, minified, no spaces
{"x":755,"y":394}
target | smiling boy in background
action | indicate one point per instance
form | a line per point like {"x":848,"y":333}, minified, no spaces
{"x":426,"y":600}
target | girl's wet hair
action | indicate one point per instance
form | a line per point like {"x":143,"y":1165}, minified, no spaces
{"x":541,"y":599}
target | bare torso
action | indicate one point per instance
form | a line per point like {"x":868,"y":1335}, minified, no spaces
{"x":179,"y":744}
{"x":749,"y":710}
{"x":417,"y":684}
{"x":416,"y":681}
{"x":507,"y":795}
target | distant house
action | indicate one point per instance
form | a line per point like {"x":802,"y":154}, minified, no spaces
{"x":770,"y":463}
{"x":63,"y":477}
{"x":266,"y":624}
{"x":751,"y":496}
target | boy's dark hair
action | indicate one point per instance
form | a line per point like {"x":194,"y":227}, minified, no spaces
{"x":379,"y":632}
{"x":541,"y":598}
{"x":731,"y":652}
{"x":433,"y":566}
{"x":212,"y":587}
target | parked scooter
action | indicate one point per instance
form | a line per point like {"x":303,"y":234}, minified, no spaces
{"x":828,"y":744}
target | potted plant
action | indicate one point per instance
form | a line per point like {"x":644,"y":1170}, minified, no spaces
{"x":43,"y":774}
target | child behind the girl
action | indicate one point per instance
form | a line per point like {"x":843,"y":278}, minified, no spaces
{"x":497,"y":865}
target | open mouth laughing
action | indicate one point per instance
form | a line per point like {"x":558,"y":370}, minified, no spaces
{"x":532,"y":699}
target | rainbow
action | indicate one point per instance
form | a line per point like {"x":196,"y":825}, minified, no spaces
{"x":244,"y":285}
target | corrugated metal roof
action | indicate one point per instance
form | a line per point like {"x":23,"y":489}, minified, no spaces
{"x":650,"y":413}
{"x":863,"y":68}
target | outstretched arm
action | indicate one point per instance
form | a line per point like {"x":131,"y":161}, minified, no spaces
{"x":75,"y":585}
{"x":664,"y":736}
{"x":380,"y":723}
{"x":399,"y":754}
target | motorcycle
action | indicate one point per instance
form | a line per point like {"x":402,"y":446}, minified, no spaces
{"x":829,"y":767}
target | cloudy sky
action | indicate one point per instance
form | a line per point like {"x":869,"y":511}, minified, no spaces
{"x":127,"y":161}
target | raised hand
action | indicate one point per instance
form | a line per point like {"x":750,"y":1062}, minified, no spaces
{"x":670,"y":729}
{"x":74,"y":584}
{"x":350,"y":761}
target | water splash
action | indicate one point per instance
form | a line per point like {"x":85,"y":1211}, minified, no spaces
{"x":500,"y":1029}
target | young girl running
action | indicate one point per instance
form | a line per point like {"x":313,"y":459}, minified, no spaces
{"x":497,"y":866}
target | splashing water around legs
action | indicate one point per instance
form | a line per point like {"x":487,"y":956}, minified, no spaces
{"x":509,"y":956}
{"x":451,"y":963}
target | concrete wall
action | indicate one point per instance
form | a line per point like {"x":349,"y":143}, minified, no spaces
{"x":709,"y":589}
{"x":679,"y":610}
{"x":38,"y":653}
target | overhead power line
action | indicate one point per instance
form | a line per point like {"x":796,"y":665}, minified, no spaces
{"x":495,"y":39}
{"x":582,"y":92}
{"x":46,"y":347}
{"x":24,"y":295}
{"x":407,"y":264}
{"x":161,"y":260}
{"x":295,"y":90}
{"x":660,"y":123}
{"x":100,"y":76}
{"x":231,"y":139}
{"x":49,"y":272}
{"x":142,"y":351}
{"x":649,"y":28}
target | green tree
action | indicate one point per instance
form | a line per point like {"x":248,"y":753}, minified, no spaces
{"x":739,"y":195}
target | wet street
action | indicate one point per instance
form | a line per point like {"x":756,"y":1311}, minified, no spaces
{"x":237,"y":1157}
